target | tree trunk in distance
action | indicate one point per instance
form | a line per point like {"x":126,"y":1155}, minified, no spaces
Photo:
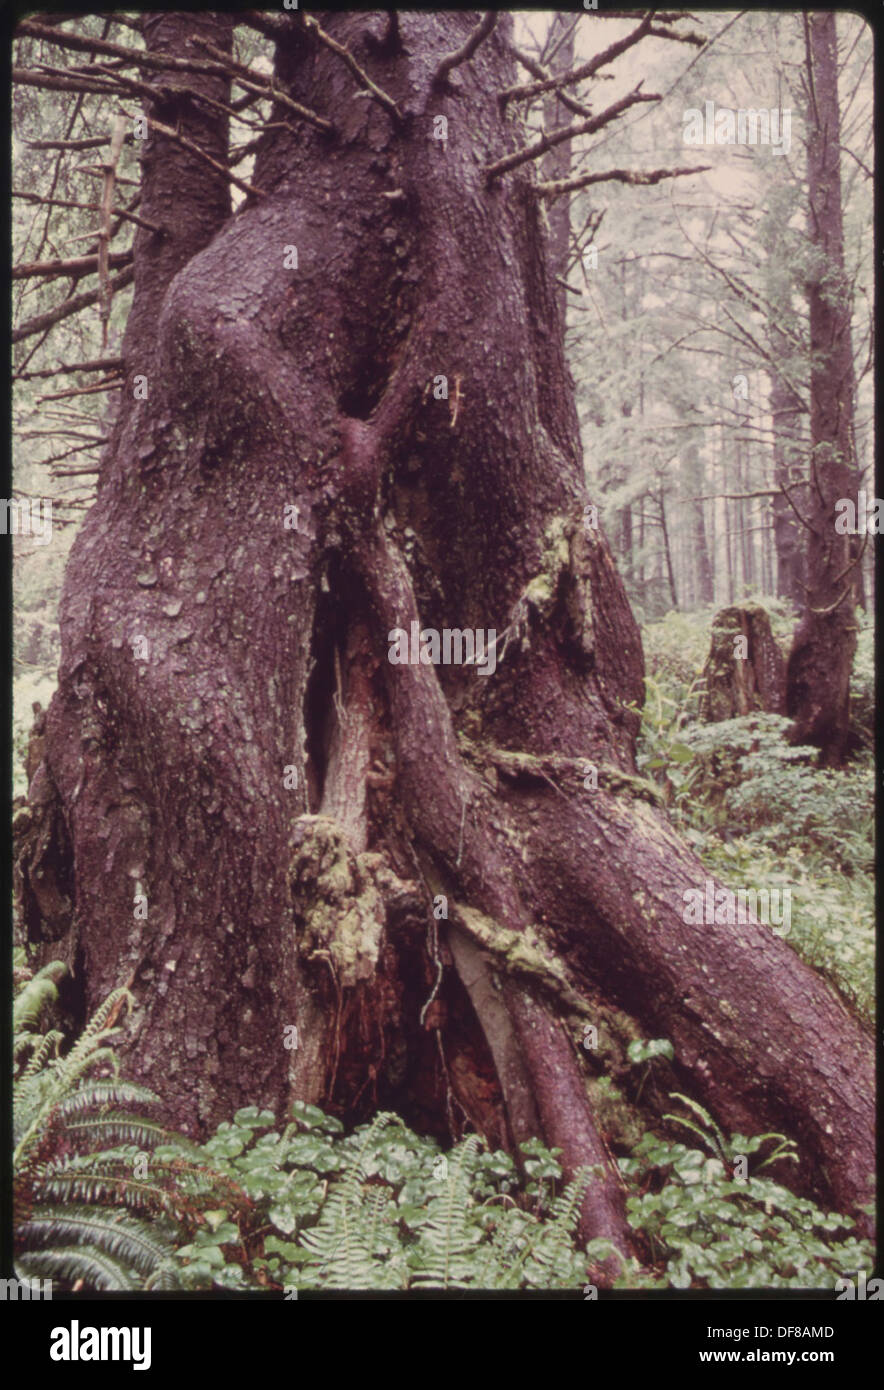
{"x":789,"y":535}
{"x":825,"y":640}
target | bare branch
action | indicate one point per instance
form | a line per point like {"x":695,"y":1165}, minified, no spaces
{"x":190,"y":145}
{"x":72,"y":79}
{"x":567,"y":79}
{"x":50,"y":20}
{"x":537,"y":70}
{"x":65,"y":454}
{"x":109,"y":384}
{"x":466,"y":50}
{"x":255,"y":83}
{"x":93,"y":143}
{"x":78,"y":265}
{"x":662,"y":16}
{"x":95,"y":172}
{"x":98,"y":364}
{"x":359,"y":73}
{"x":555,"y":187}
{"x":219,"y":64}
{"x":105,"y":231}
{"x":565,"y":286}
{"x":865,"y":168}
{"x":555,"y":137}
{"x":132,"y":57}
{"x":68,"y":307}
{"x":657,"y":31}
{"x":32,"y":77}
{"x":87,"y":207}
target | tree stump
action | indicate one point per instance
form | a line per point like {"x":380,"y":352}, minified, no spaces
{"x":745,"y":670}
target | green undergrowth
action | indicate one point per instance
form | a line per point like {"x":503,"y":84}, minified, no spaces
{"x":760,"y":813}
{"x":106,"y":1198}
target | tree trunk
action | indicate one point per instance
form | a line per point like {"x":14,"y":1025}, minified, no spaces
{"x":696,"y":484}
{"x":825,"y":641}
{"x":298,"y":810}
{"x":789,"y":534}
{"x":667,"y":549}
{"x":556,"y":163}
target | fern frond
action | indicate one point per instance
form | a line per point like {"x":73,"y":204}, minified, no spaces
{"x":447,"y":1238}
{"x":342,"y":1241}
{"x":122,"y":1237}
{"x":94,"y":1187}
{"x":97,"y":1026}
{"x":37,"y":994}
{"x":710,"y":1134}
{"x":164,"y":1279}
{"x":118,"y":1129}
{"x":69,"y":1069}
{"x":74,"y":1262}
{"x":93,"y":1095}
{"x":44,"y":1049}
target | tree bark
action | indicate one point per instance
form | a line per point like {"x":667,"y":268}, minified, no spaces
{"x":789,"y":534}
{"x":298,"y":811}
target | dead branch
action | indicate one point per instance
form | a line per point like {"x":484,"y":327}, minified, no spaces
{"x":254,"y":83}
{"x":92,"y":143}
{"x":657,"y":31}
{"x":537,"y":70}
{"x":555,"y":137}
{"x":68,"y":307}
{"x":190,"y":145}
{"x":109,"y":384}
{"x":362,"y":77}
{"x":87,"y":207}
{"x":78,"y":265}
{"x":132,"y":57}
{"x":98,"y":364}
{"x":578,"y":74}
{"x":33,"y":77}
{"x":50,"y":20}
{"x":554,"y":187}
{"x":466,"y":50}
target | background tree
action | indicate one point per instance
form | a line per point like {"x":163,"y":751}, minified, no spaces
{"x":818,"y":690}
